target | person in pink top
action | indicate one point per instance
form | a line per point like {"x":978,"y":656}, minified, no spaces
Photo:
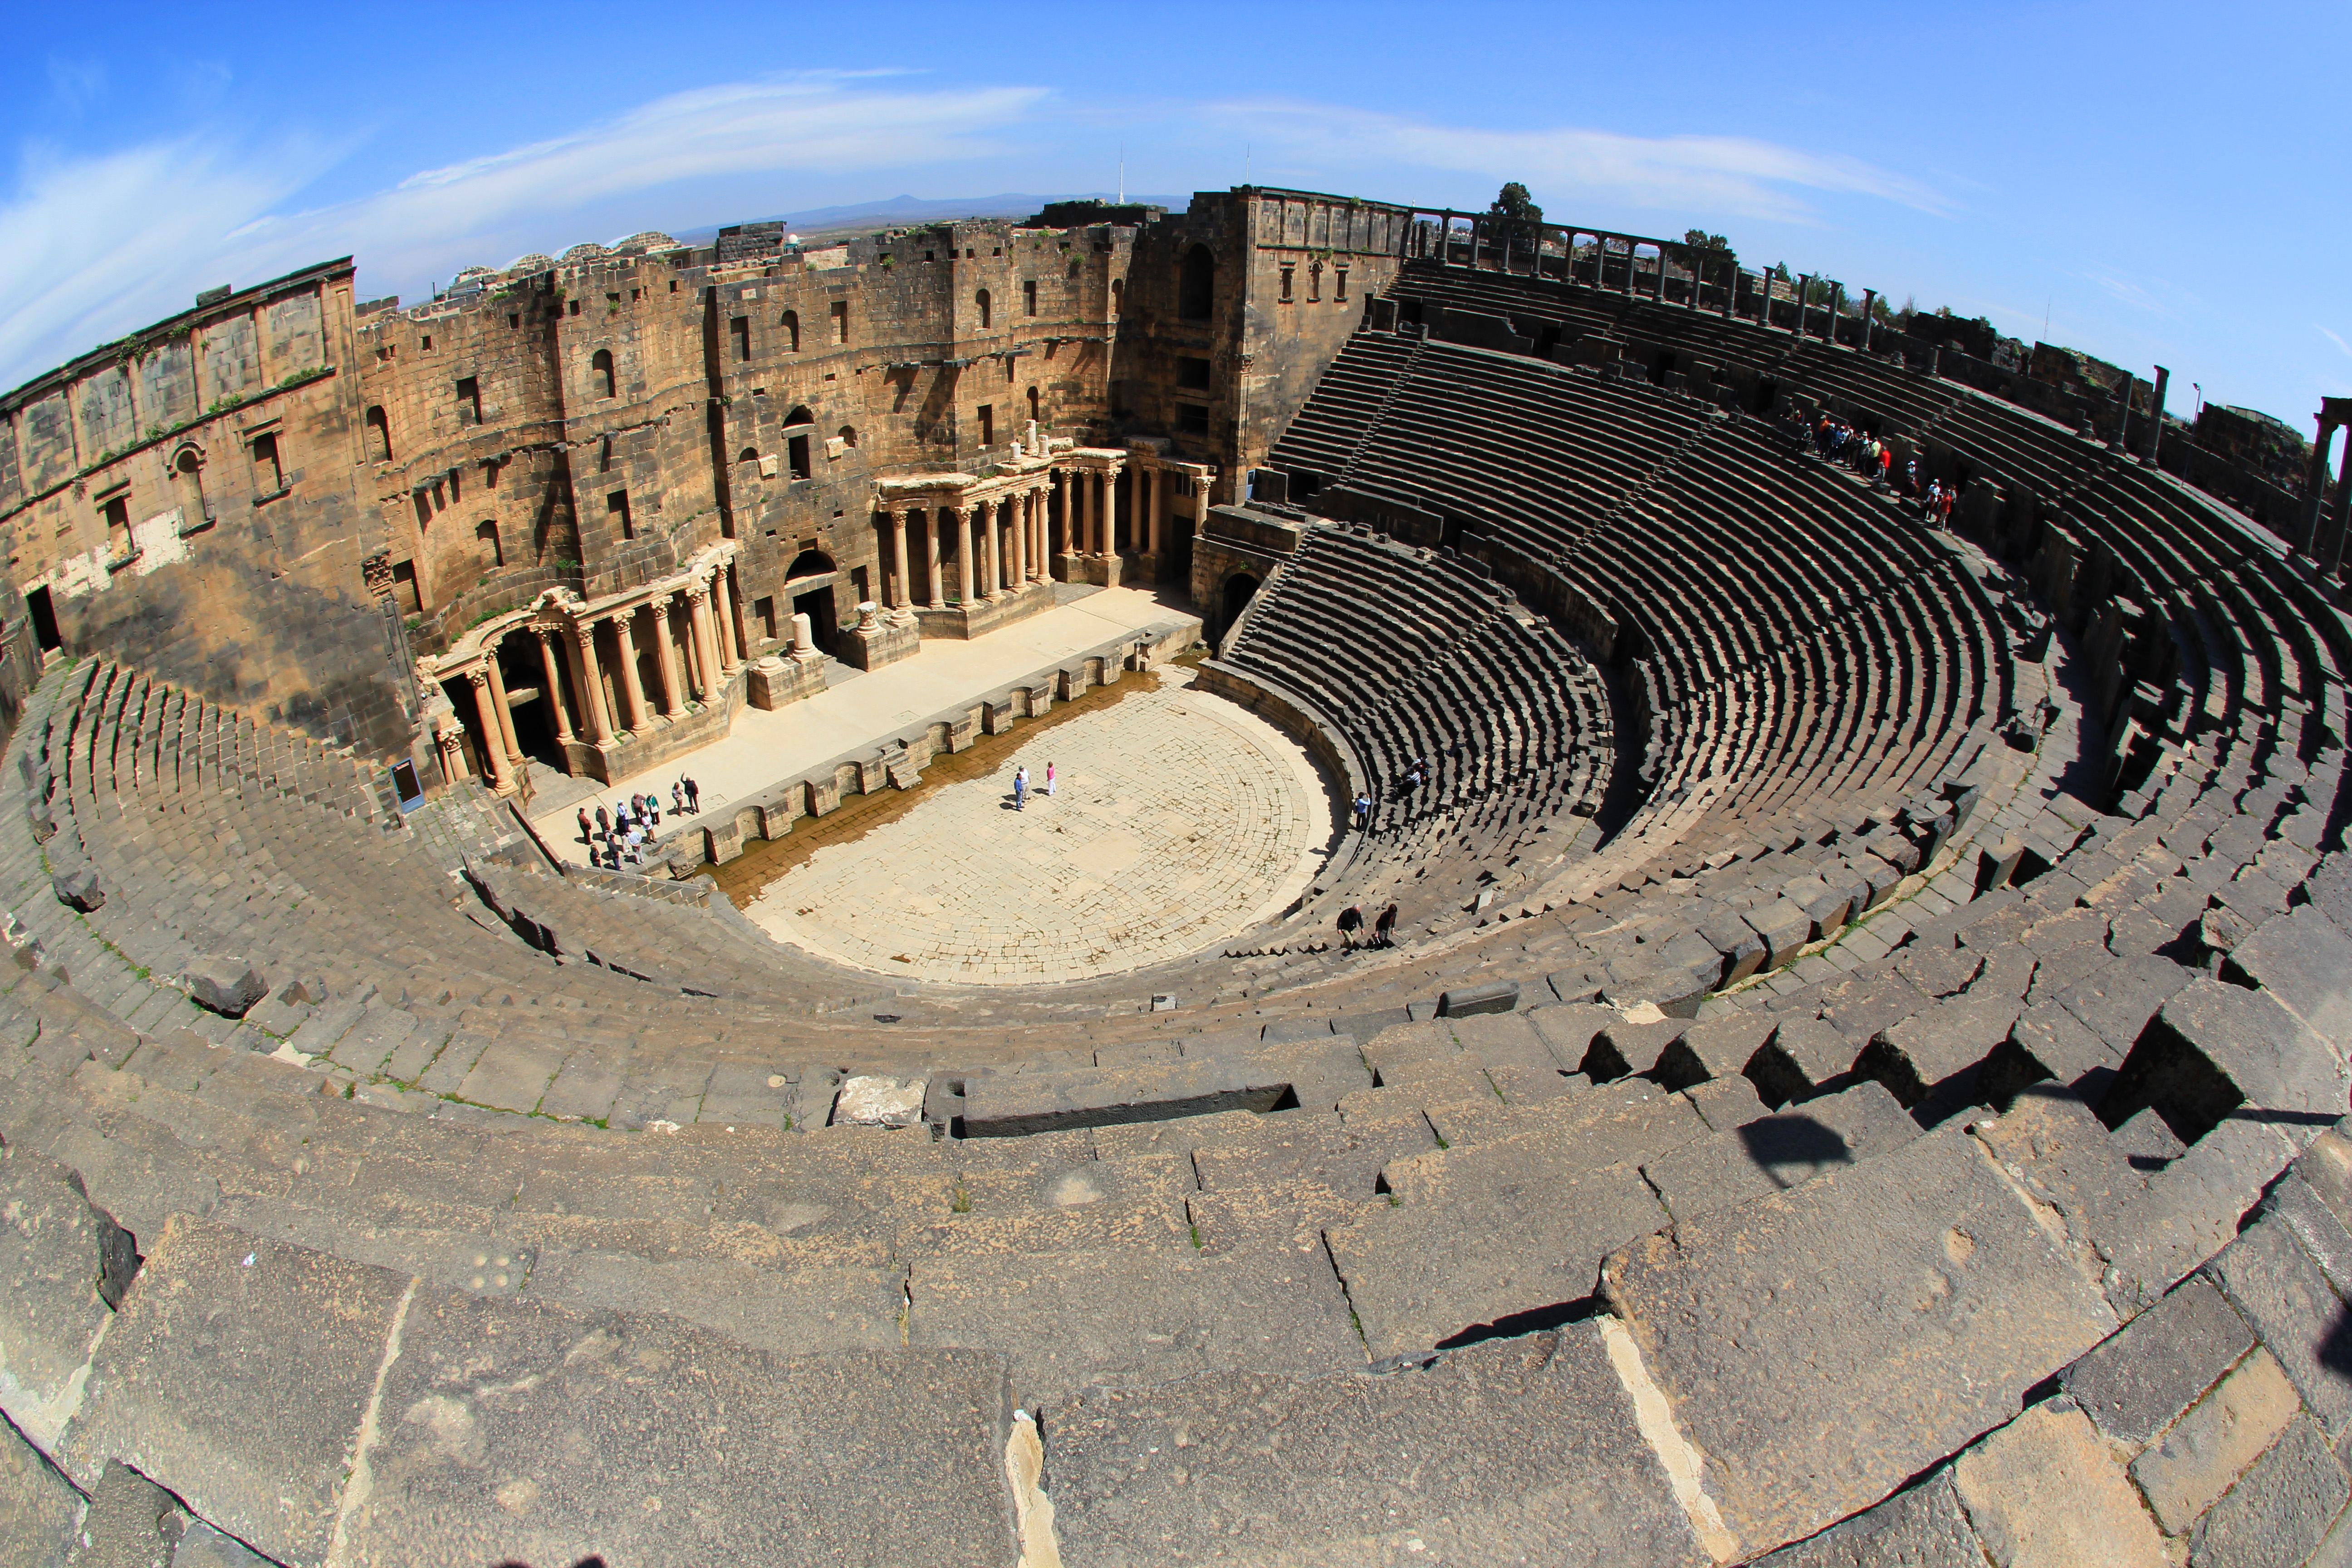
{"x":1049,"y":778}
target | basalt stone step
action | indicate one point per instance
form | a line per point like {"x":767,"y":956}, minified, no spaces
{"x":518,"y":1431}
{"x":1018,"y":1105}
{"x":1931,"y":1302}
{"x":1070,"y":1320}
{"x":40,"y":1513}
{"x":60,"y":1258}
{"x":1523,"y":1450}
{"x":1486,"y":1235}
{"x":1772,"y":1154}
{"x":236,"y":1375}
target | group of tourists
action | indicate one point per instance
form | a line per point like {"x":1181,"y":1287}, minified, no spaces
{"x":619,"y":834}
{"x":1020,"y":786}
{"x":1836,"y":440}
{"x":1351,"y":929}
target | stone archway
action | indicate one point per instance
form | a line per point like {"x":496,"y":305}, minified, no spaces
{"x":1239,"y":590}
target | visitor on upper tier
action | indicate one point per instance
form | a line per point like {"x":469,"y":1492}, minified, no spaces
{"x":693,"y":795}
{"x":678,"y":798}
{"x":587,"y":829}
{"x":604,"y":822}
{"x":1351,"y":921}
{"x":1384,"y":928}
{"x":1021,"y":789}
{"x":1363,"y":812}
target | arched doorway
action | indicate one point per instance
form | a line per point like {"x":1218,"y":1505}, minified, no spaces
{"x":529,"y":701}
{"x":809,"y":584}
{"x":1240,"y":589}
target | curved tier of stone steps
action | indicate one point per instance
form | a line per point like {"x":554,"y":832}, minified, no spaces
{"x":1413,"y":660}
{"x":1926,"y":1147}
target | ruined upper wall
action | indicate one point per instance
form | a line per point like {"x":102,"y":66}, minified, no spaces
{"x":1234,"y":310}
{"x":187,"y":498}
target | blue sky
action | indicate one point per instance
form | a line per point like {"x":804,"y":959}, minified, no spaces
{"x":2163,"y":183}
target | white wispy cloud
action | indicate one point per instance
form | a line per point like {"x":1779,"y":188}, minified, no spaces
{"x":2332,"y":338}
{"x":1730,"y":174}
{"x":96,"y":246}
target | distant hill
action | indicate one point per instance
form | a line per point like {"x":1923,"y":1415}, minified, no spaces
{"x":901,"y":211}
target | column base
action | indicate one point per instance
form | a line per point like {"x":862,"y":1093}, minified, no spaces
{"x":775,"y":682}
{"x":965,"y":621}
{"x":1103,"y":570}
{"x":885,"y":642}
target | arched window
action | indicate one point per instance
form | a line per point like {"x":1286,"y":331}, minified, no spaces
{"x":1033,"y":404}
{"x":808,"y":564}
{"x":379,"y":434}
{"x":791,"y":325}
{"x":1196,"y":288}
{"x":188,"y":483}
{"x":849,"y":434}
{"x":600,"y":366}
{"x":982,"y":300}
{"x":1118,"y":294}
{"x":747,"y":456}
{"x":487,"y":532}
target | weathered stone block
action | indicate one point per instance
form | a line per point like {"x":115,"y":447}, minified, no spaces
{"x":1784,"y":928}
{"x":1488,"y":996}
{"x":2139,"y":1382}
{"x":2212,"y":1048}
{"x":2303,"y":960}
{"x":1524,"y":1449}
{"x":1921,"y":1527}
{"x":2280,"y":1512}
{"x":2043,"y":1490}
{"x":2222,"y":1433}
{"x":1019,"y":1104}
{"x":227,"y":984}
{"x":2268,"y":1277}
{"x":38,"y":1509}
{"x":878,"y":1102}
{"x":78,"y":888}
{"x":1932,"y":1303}
{"x":1804,"y":1056}
{"x":237,"y":1372}
{"x":51,"y":1253}
{"x":508,"y":1428}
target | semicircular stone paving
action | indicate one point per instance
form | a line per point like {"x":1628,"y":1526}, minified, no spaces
{"x":1179,"y":819}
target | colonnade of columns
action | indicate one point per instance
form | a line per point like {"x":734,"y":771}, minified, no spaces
{"x":1007,"y":540}
{"x":715,"y":647}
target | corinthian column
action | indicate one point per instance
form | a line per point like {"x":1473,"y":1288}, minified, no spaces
{"x":588,"y":682}
{"x":904,"y":598}
{"x":964,"y":552}
{"x":494,"y":745}
{"x":548,"y":662}
{"x":698,"y":621}
{"x":666,"y":655}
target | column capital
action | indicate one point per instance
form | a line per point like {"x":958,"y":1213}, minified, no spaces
{"x":479,"y":675}
{"x":964,"y":510}
{"x":697,"y":591}
{"x":583,"y":632}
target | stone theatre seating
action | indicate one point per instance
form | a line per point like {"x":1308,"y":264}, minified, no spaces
{"x":1915,"y":1121}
